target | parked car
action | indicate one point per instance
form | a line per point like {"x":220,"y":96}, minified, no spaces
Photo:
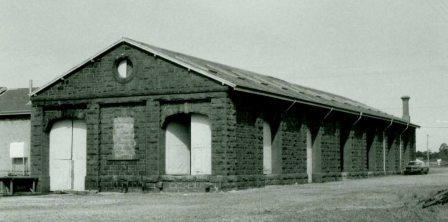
{"x":414,"y":167}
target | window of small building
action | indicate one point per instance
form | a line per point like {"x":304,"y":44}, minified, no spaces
{"x":19,"y":154}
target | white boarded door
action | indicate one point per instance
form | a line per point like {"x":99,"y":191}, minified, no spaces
{"x":79,"y":155}
{"x":267,"y":148}
{"x":309,"y":156}
{"x":67,"y":155}
{"x":177,"y":148}
{"x":201,"y":145}
{"x":60,"y":155}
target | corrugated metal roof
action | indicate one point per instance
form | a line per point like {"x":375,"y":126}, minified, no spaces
{"x":15,"y":102}
{"x":251,"y":82}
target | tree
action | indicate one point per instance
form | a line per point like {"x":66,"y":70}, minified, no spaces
{"x":420,"y":154}
{"x":443,"y":151}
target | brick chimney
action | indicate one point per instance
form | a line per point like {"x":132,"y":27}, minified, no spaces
{"x":406,"y":116}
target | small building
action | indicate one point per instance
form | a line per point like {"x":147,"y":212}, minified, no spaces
{"x":15,"y":115}
{"x":135,"y":116}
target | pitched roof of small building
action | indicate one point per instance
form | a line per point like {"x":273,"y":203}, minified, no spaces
{"x":251,"y":82}
{"x":14,"y":102}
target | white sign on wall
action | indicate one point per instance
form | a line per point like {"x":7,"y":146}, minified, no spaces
{"x":18,"y":150}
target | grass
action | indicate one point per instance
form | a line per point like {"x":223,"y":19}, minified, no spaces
{"x":390,"y":198}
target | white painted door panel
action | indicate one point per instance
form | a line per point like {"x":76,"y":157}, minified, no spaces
{"x":309,"y":156}
{"x":177,"y":148}
{"x":79,"y":155}
{"x":60,"y":178}
{"x":60,"y":155}
{"x":60,"y":140}
{"x":267,"y":148}
{"x":201,"y":149}
{"x":67,"y":155}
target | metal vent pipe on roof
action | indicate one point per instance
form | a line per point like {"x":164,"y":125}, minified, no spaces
{"x":406,"y":115}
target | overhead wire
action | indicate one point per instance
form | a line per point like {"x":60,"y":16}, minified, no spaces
{"x":415,"y":107}
{"x":437,"y":11}
{"x":444,"y":6}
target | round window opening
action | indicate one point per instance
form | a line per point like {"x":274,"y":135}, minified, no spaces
{"x":124,"y":68}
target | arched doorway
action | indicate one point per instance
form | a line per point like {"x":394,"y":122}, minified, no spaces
{"x":188,"y":145}
{"x":67,"y":155}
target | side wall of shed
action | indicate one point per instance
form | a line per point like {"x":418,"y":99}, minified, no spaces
{"x":344,"y":145}
{"x":12,"y":130}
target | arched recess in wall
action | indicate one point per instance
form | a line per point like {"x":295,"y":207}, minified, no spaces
{"x":392,"y":158}
{"x":404,"y":149}
{"x":67,"y":155}
{"x":188,"y":145}
{"x":370,"y":150}
{"x":271,"y":148}
{"x":313,"y":150}
{"x":344,"y":147}
{"x":267,"y":148}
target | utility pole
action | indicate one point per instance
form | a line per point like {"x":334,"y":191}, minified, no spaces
{"x":427,"y":148}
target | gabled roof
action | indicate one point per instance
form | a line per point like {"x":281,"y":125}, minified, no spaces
{"x":15,"y":102}
{"x":251,"y":82}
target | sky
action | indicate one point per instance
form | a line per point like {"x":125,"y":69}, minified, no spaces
{"x":372,"y":51}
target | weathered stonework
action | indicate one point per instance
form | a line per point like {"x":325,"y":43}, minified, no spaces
{"x":123,"y":138}
{"x":374,"y":142}
{"x":330,"y":148}
{"x":13,"y":129}
{"x":160,"y":90}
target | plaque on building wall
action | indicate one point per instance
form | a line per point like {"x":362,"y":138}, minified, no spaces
{"x":124,"y":138}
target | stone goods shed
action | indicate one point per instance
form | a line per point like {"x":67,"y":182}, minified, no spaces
{"x":135,"y":116}
{"x":15,"y":114}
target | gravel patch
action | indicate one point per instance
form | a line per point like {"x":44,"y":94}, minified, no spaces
{"x":388,"y":198}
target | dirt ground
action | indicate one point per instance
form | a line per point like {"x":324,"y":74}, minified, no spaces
{"x":389,"y":198}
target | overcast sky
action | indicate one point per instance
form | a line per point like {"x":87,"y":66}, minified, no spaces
{"x":373,"y":51}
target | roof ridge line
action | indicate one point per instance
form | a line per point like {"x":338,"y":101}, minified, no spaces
{"x":252,"y":83}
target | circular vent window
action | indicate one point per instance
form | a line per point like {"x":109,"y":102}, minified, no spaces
{"x":124,"y":68}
